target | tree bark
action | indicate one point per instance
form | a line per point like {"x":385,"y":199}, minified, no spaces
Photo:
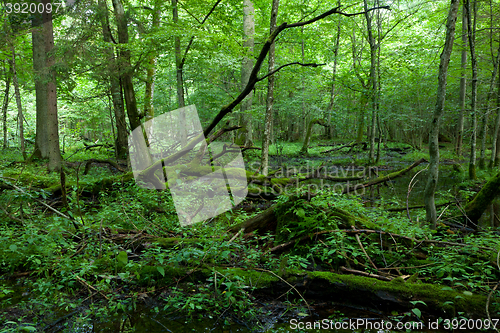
{"x":329,"y":110}
{"x":20,"y":116}
{"x":179,"y":77}
{"x":127,"y":70}
{"x":47,"y":126}
{"x":39,"y":64}
{"x":4,"y":108}
{"x":373,"y":80}
{"x":472,"y":45}
{"x":495,"y":150}
{"x":475,"y":208}
{"x":307,"y":138}
{"x":121,"y":141}
{"x":268,"y":121}
{"x":149,"y":112}
{"x":430,"y":188}
{"x":246,"y":70}
{"x":463,"y":84}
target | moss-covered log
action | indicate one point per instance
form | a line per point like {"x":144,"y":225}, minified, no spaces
{"x":475,"y":208}
{"x":382,"y":179}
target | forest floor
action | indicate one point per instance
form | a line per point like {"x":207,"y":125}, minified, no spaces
{"x":113,"y":257}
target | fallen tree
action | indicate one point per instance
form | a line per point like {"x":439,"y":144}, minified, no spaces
{"x":382,"y":179}
{"x":475,"y":208}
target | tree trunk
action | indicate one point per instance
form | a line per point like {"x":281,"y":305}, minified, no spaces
{"x":126,"y":70}
{"x":121,"y":141}
{"x":373,"y":80}
{"x":495,"y":150}
{"x":329,"y":110}
{"x":40,"y":77}
{"x":149,"y":112}
{"x":463,"y":84}
{"x":246,"y":70}
{"x":430,"y":188}
{"x":4,"y":108}
{"x":20,"y":116}
{"x":268,"y":122}
{"x":179,"y":77}
{"x":307,"y":138}
{"x":47,"y":126}
{"x":472,"y":45}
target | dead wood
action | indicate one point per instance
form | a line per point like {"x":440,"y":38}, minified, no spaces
{"x":88,"y":164}
{"x":382,"y":179}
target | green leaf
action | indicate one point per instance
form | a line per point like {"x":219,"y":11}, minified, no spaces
{"x":122,"y":258}
{"x":300,"y":213}
{"x":302,"y":314}
{"x":161,"y":270}
{"x":467,"y":293}
{"x":13,"y":247}
{"x":447,"y":288}
{"x":417,"y":312}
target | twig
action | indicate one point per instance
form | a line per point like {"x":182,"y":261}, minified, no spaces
{"x":353,"y":271}
{"x":89,"y":286}
{"x":410,"y":187}
{"x":39,"y":201}
{"x":368,"y":231}
{"x":279,"y":277}
{"x":488,"y":303}
{"x":409,"y":267}
{"x":363,"y":249}
{"x":236,"y":235}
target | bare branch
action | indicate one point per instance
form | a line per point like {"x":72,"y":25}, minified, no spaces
{"x":292,"y":63}
{"x":262,"y":56}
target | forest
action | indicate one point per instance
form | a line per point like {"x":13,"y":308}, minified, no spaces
{"x":250,"y":166}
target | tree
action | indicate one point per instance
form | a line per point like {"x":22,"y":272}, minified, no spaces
{"x":246,"y":70}
{"x":121,"y":143}
{"x":373,"y":83}
{"x":47,"y":126}
{"x":268,"y":121}
{"x":463,"y":83}
{"x":472,"y":46}
{"x":430,"y":189}
{"x":5,"y":105}
{"x":125,"y":65}
{"x":20,"y":116}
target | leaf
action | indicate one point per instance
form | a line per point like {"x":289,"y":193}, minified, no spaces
{"x":302,"y":314}
{"x":300,"y":213}
{"x":417,"y":312}
{"x":467,"y":293}
{"x":161,"y":270}
{"x":13,"y":247}
{"x":447,"y":288}
{"x":122,"y":258}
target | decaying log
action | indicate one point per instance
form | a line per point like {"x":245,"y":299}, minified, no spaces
{"x":382,"y":179}
{"x":475,"y":208}
{"x":88,"y":164}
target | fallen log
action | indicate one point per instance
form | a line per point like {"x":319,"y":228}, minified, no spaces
{"x":475,"y":208}
{"x":382,"y":179}
{"x":348,"y":145}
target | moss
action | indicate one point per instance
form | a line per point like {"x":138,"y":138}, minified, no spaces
{"x":257,"y":279}
{"x":432,"y":295}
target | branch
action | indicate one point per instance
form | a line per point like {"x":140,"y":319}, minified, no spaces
{"x":188,"y":47}
{"x":262,"y":56}
{"x":292,"y":63}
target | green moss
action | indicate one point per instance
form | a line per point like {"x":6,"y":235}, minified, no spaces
{"x":431,"y":294}
{"x":257,"y":279}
